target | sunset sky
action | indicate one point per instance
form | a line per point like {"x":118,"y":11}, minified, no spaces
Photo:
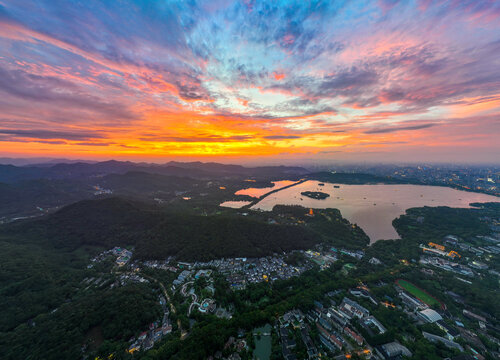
{"x":251,"y":80}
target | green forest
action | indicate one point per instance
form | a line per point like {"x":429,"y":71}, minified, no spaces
{"x":50,"y":310}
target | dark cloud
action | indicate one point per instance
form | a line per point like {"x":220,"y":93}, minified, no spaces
{"x":49,"y":89}
{"x":49,"y":134}
{"x":351,"y":81}
{"x":23,"y":140}
{"x":398,"y":128}
{"x":362,"y":102}
{"x":348,"y":82}
{"x":192,"y":91}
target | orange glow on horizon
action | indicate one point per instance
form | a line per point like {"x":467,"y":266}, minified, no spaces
{"x":226,"y":87}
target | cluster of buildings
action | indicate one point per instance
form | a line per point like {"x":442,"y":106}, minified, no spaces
{"x":484,"y":179}
{"x":324,"y":260}
{"x":123,"y":279}
{"x":491,"y":248}
{"x":428,"y":315}
{"x":122,"y":255}
{"x":93,"y":281}
{"x":156,"y":331}
{"x":335,"y":328}
{"x":160,"y":264}
{"x":417,"y":306}
{"x":412,"y":303}
{"x":234,"y":347}
{"x":392,"y":350}
{"x":127,"y":278}
{"x":183,"y":276}
{"x":448,"y":343}
{"x":446,"y":265}
{"x":362,"y":291}
{"x":242,"y":271}
{"x":358,"y":254}
{"x":494,"y":239}
{"x":207,"y":305}
{"x":98,"y":190}
{"x":338,"y":325}
{"x":439,"y":250}
{"x":295,"y":319}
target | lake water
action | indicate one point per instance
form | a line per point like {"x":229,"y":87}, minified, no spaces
{"x":235,"y":204}
{"x":263,"y":343}
{"x":373,"y":207}
{"x":258,"y":192}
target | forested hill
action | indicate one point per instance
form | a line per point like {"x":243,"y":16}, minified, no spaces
{"x":157,"y":233}
{"x":355,"y":178}
{"x":13,"y":174}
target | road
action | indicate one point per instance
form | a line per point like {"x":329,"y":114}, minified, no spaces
{"x":194,"y":303}
{"x":184,"y":288}
{"x":184,"y":333}
{"x":194,"y":296}
{"x":254,"y":202}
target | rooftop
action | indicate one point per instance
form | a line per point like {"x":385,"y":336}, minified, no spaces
{"x":430,"y":315}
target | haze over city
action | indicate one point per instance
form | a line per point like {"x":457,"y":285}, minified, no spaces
{"x":248,"y":81}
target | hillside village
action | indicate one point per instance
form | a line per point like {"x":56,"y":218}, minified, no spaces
{"x":344,"y":322}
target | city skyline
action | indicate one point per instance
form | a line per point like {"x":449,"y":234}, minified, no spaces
{"x":251,"y":81}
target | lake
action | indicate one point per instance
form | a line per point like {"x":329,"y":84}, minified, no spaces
{"x":373,"y":207}
{"x":235,"y":204}
{"x":262,"y":343}
{"x":258,"y":192}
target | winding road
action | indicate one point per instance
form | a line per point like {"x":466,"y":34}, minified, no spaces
{"x":184,"y":333}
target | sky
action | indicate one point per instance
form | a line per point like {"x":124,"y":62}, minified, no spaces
{"x":251,"y":80}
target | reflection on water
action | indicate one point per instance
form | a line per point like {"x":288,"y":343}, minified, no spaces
{"x":235,"y":204}
{"x":373,"y":207}
{"x":258,"y":192}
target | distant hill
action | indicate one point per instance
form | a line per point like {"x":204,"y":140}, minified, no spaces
{"x":38,"y":161}
{"x":261,"y":171}
{"x":156,"y":233}
{"x":352,"y":178}
{"x":141,"y":183}
{"x":11,"y":173}
{"x":32,"y":197}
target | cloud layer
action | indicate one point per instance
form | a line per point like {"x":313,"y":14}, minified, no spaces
{"x":311,"y":79}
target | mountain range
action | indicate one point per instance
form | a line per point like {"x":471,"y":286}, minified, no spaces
{"x":12,"y":173}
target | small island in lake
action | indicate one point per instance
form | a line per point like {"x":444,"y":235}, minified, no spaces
{"x":318,"y":195}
